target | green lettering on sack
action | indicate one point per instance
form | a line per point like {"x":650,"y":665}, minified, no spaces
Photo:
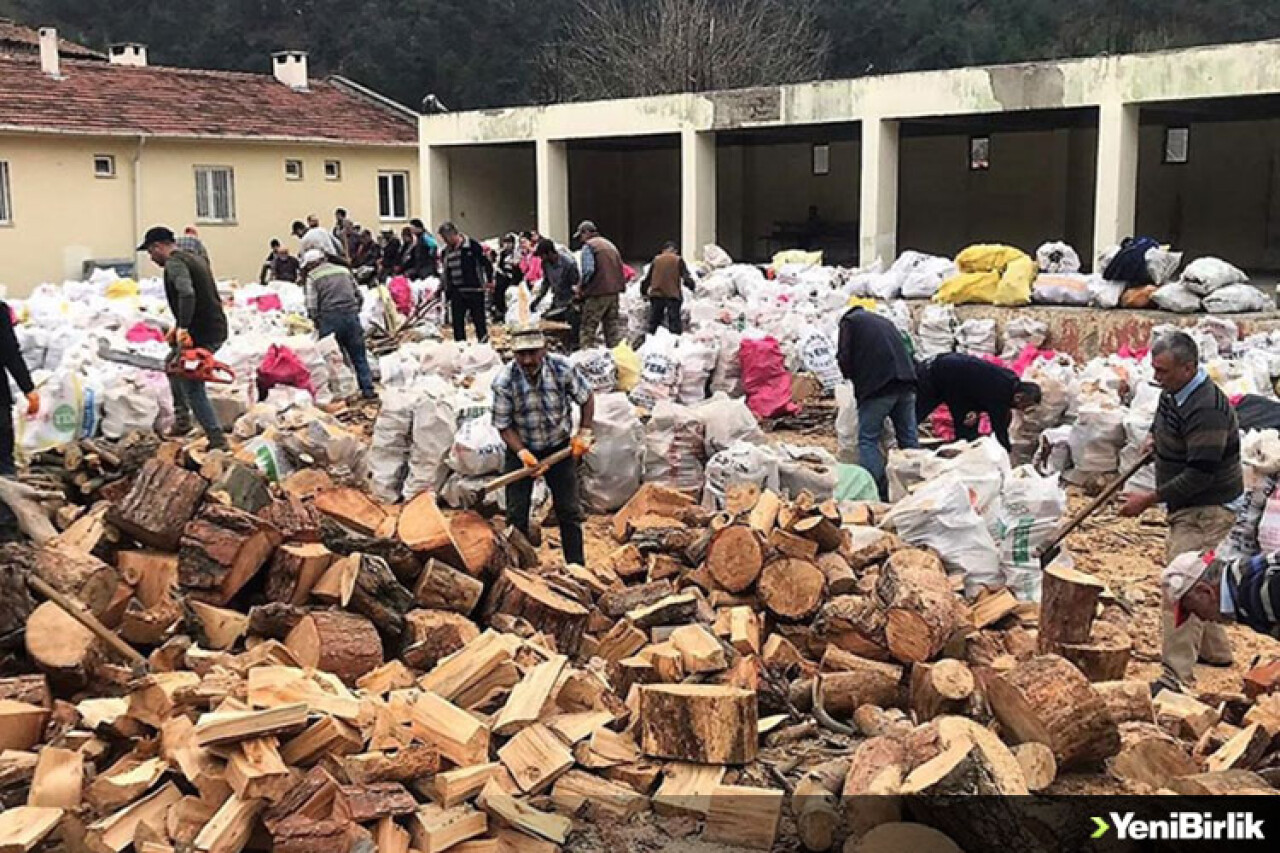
{"x":65,"y":418}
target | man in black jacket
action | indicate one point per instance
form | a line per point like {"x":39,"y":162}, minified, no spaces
{"x":200,"y":322}
{"x":971,"y":387}
{"x":874,"y":356}
{"x":1197,"y":444}
{"x":467,"y":273}
{"x":11,"y":360}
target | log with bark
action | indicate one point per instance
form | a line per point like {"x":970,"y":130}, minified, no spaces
{"x":943,"y":688}
{"x":1068,"y":603}
{"x":344,"y":644}
{"x":294,"y":570}
{"x":816,"y":804}
{"x":922,"y":612}
{"x":518,"y":593}
{"x":697,"y":722}
{"x":380,"y":597}
{"x":735,"y":558}
{"x":163,"y":499}
{"x":1104,"y":656}
{"x":221,"y":550}
{"x":442,"y":587}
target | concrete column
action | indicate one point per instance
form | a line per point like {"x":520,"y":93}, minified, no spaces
{"x":1116,"y":205}
{"x":552,"y":167}
{"x":878,"y":237}
{"x":436,"y":199}
{"x":697,"y":191}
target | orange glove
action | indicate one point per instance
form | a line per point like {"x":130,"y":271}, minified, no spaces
{"x":527,"y":457}
{"x":183,"y":337}
{"x":582,"y":443}
{"x":33,"y":404}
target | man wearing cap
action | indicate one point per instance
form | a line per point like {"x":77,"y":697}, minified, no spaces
{"x":199,"y":322}
{"x":602,"y":281}
{"x":1198,"y":474}
{"x":1245,"y":590}
{"x":532,"y":409}
{"x":333,"y":304}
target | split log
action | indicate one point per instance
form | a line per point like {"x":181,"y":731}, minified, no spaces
{"x":820,"y":530}
{"x":840,"y":577}
{"x":32,"y":689}
{"x":1068,"y":602}
{"x":672,"y":610}
{"x":1048,"y":700}
{"x":296,"y":520}
{"x":764,"y":514}
{"x":991,"y":607}
{"x":480,"y":549}
{"x":868,"y":546}
{"x":698,"y":722}
{"x":215,"y":627}
{"x":294,"y":571}
{"x":404,"y":563}
{"x":792,"y":589}
{"x":414,"y":762}
{"x":21,"y":724}
{"x":1127,"y":701}
{"x":221,"y":549}
{"x":582,"y":794}
{"x":153,"y":575}
{"x":441,"y":587}
{"x":66,"y":651}
{"x":942,"y":688}
{"x":352,"y":509}
{"x":274,"y":621}
{"x":687,"y":789}
{"x":518,"y":593}
{"x":163,"y":499}
{"x":423,"y":527}
{"x":535,"y":757}
{"x":617,"y":603}
{"x":1242,"y":752}
{"x":58,"y":780}
{"x":870,"y":793}
{"x":922,"y":611}
{"x":78,"y":575}
{"x":434,"y":827}
{"x":742,"y":817}
{"x":219,"y":728}
{"x":256,"y":770}
{"x":23,"y":828}
{"x":229,"y":829}
{"x":1039,"y":767}
{"x":1104,"y":656}
{"x":1152,"y":762}
{"x":735,"y":558}
{"x":816,"y":804}
{"x":1184,"y":716}
{"x":344,"y":644}
{"x":149,"y":626}
{"x":1221,"y":783}
{"x":241,"y":486}
{"x":786,"y":544}
{"x":650,"y":499}
{"x":379,"y":597}
{"x":432,"y":635}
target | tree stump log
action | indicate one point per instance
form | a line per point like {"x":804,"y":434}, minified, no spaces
{"x":816,"y":805}
{"x":1068,"y":602}
{"x":342,"y":643}
{"x":922,"y":612}
{"x":1048,"y":700}
{"x":735,"y":558}
{"x":792,"y":589}
{"x":77,"y":574}
{"x":1105,"y":656}
{"x":163,"y":499}
{"x":518,"y":593}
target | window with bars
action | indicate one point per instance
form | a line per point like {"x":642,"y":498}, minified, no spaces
{"x":393,"y":195}
{"x":6,"y":199}
{"x":215,"y":194}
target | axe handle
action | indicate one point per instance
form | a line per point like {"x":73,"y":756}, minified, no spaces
{"x":516,"y":476}
{"x":87,"y":619}
{"x":1102,"y":498}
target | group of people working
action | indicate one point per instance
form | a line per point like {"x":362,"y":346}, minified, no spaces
{"x":413,"y":254}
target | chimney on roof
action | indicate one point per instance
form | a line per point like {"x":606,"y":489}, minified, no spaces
{"x":128,"y":53}
{"x":49,"y":52}
{"x":290,"y":68}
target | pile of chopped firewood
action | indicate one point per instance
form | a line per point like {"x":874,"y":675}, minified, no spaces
{"x":327,"y":673}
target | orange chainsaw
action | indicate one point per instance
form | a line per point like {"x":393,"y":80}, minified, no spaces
{"x":198,"y":365}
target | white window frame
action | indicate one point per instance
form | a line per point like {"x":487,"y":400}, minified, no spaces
{"x":821,"y":159}
{"x":1177,"y":145}
{"x":297,"y":174}
{"x":109,"y":160}
{"x":392,"y":215}
{"x":333,"y":170}
{"x":6,"y":195}
{"x":204,"y":175}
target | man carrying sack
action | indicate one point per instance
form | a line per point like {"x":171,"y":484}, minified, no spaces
{"x":532,"y":409}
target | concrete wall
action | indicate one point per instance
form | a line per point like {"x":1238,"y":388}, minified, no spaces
{"x":632,"y":195}
{"x":1225,"y":201}
{"x":64,"y":215}
{"x":493,"y":190}
{"x":1040,"y":187}
{"x":762,"y":185}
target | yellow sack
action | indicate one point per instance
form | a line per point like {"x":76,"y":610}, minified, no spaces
{"x":1015,"y":284}
{"x":987,"y":258}
{"x":122,"y":288}
{"x":628,"y":366}
{"x":968,"y":287}
{"x":797,"y":256}
{"x":861,"y":302}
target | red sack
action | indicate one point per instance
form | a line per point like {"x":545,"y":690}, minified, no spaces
{"x":281,"y":366}
{"x":140,"y":333}
{"x":267,"y":303}
{"x":401,"y":294}
{"x":765,"y":378}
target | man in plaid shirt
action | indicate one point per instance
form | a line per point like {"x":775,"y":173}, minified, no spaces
{"x":532,"y":409}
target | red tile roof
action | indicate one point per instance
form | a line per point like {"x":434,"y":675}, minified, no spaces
{"x":18,"y":40}
{"x":97,"y":98}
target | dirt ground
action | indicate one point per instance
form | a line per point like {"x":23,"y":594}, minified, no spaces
{"x":1125,"y":553}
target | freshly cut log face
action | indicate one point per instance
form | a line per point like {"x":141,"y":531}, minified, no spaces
{"x":64,"y":649}
{"x":521,"y":594}
{"x":1104,"y":656}
{"x":923,"y":612}
{"x":792,"y":589}
{"x":702,"y":723}
{"x":1067,"y":607}
{"x":1048,"y":700}
{"x":735,"y":558}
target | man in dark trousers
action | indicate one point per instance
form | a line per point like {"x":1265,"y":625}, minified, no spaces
{"x":333,"y":304}
{"x":533,"y":398}
{"x":1198,"y":474}
{"x":661,"y":284}
{"x":603,"y":280}
{"x":1201,"y":588}
{"x":971,"y":387}
{"x":11,"y":361}
{"x":873,"y":355}
{"x":467,"y":273}
{"x":200,"y":322}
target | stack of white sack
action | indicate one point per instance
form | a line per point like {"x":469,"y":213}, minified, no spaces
{"x":936,"y":333}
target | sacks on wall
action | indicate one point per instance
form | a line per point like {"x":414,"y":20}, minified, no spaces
{"x":1238,"y":299}
{"x":1205,"y":275}
{"x":1061,"y":289}
{"x":936,"y":333}
{"x":1057,"y":257}
{"x":1176,"y":297}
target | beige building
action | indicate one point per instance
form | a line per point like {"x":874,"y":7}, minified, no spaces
{"x":1181,"y":145}
{"x":93,"y":151}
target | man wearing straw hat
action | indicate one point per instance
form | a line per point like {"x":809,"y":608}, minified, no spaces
{"x":533,"y":400}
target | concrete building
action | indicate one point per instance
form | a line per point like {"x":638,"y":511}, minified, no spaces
{"x":1182,"y":145}
{"x":94,"y":150}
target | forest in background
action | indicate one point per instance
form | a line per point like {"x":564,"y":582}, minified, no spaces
{"x":485,"y":53}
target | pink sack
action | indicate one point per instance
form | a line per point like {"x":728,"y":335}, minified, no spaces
{"x":765,"y":378}
{"x":401,"y":294}
{"x":281,"y":366}
{"x":267,"y":302}
{"x":141,"y":333}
